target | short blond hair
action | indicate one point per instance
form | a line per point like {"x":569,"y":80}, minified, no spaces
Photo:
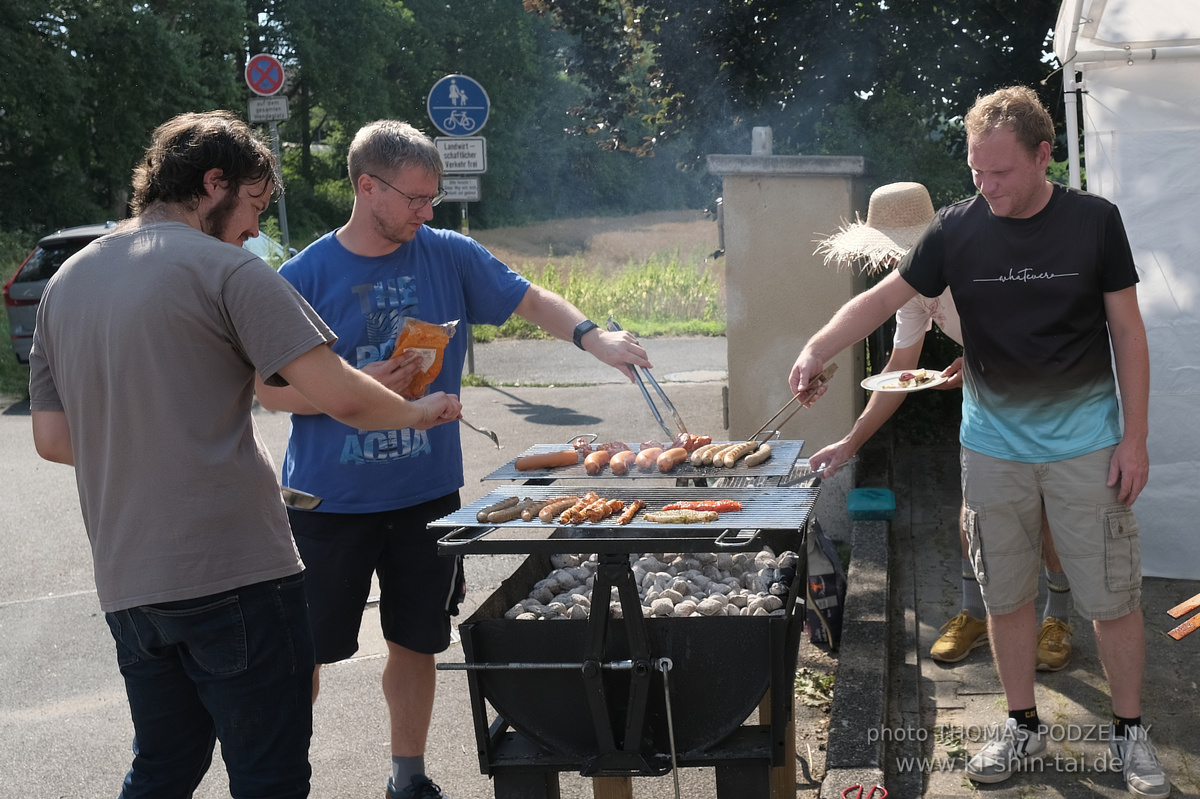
{"x":388,"y":145}
{"x":1015,"y":108}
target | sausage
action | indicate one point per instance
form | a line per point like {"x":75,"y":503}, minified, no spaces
{"x":509,"y":514}
{"x":739,"y":451}
{"x":556,"y":507}
{"x":671,"y":458}
{"x":594,"y":462}
{"x":681,"y":516}
{"x":534,"y":509}
{"x":621,"y":461}
{"x":716,"y":457}
{"x":508,"y":502}
{"x":647,"y":459}
{"x":547,"y":460}
{"x":761,"y":455}
{"x":697,"y":456}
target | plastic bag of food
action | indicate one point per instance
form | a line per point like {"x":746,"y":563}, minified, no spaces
{"x":429,"y":341}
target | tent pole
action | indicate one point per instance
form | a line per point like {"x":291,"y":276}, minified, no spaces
{"x":1070,"y":105}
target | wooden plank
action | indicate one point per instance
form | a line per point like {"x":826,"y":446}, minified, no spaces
{"x":612,"y":788}
{"x":1184,"y":608}
{"x":1185,"y":628}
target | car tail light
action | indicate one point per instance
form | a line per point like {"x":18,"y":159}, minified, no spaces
{"x":8,"y":298}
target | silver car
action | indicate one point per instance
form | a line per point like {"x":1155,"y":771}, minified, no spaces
{"x":23,"y":293}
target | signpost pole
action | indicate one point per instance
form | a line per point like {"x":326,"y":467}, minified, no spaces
{"x":283,"y":223}
{"x":466,"y":231}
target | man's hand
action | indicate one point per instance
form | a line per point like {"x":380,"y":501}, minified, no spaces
{"x":1130,"y":466}
{"x":954,"y":373}
{"x":437,"y":408}
{"x":831,"y":457}
{"x":806,"y":368}
{"x":617,"y":349}
{"x":396,"y":373}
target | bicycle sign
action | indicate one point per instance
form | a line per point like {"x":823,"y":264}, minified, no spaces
{"x":458,"y":105}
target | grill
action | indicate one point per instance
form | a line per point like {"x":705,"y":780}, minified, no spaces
{"x":633,"y":696}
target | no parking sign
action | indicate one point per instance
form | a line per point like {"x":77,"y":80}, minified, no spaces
{"x":264,"y":75}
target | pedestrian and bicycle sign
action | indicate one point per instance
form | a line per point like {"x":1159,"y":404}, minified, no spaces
{"x":264,"y":75}
{"x":458,"y":106}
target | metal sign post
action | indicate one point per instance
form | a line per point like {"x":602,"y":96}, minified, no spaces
{"x":265,"y":77}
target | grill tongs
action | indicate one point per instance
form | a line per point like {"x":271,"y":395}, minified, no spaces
{"x":800,"y":398}
{"x":637,"y":378}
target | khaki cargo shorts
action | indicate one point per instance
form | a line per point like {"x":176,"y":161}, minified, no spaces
{"x":1095,"y":536}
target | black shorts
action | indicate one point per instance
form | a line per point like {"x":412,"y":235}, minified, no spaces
{"x":419,"y":590}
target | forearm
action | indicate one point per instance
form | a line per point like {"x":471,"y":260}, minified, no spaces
{"x":285,"y":399}
{"x":1132,"y":357}
{"x":859,"y":317}
{"x":327,"y":384}
{"x":52,"y":437}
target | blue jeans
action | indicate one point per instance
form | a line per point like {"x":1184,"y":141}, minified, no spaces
{"x":235,"y":667}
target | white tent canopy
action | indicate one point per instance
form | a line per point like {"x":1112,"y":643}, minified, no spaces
{"x":1137,"y":64}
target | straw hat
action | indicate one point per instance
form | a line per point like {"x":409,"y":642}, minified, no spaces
{"x":896,"y":217}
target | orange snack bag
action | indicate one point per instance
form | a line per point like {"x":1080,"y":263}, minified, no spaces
{"x":430,"y":341}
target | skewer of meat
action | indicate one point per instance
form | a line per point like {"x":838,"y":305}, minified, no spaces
{"x":631,"y":511}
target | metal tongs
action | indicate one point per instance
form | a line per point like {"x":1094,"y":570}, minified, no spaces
{"x":612,"y":326}
{"x":817,"y":381}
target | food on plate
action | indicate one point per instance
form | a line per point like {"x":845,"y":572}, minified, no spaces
{"x":621,"y":461}
{"x":736,"y":452}
{"x":596,"y":461}
{"x":761,"y":455}
{"x":548,"y":513}
{"x":911,"y":379}
{"x":670,"y":458}
{"x":547,"y":460}
{"x":507,"y":502}
{"x":647,"y":459}
{"x":682,"y":516}
{"x":718,"y":505}
{"x":509,"y":514}
{"x":429,"y":340}
{"x":698,"y":454}
{"x":630,"y":511}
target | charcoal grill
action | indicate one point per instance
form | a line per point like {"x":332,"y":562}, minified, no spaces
{"x":632,"y":696}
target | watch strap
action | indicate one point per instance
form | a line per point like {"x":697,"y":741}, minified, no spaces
{"x":582,"y":329}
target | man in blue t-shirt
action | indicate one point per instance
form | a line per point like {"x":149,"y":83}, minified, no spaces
{"x":380,"y":488}
{"x":1044,"y":280}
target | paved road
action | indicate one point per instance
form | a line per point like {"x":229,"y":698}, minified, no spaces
{"x":64,"y":725}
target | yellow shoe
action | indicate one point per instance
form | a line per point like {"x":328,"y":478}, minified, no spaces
{"x":959,"y":636}
{"x":1054,"y":645}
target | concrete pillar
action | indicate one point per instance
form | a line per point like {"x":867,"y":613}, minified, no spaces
{"x":779,"y":293}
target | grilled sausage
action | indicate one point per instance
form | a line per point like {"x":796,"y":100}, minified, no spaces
{"x":647,"y":459}
{"x":595,"y":462}
{"x":671,"y":458}
{"x":509,"y":514}
{"x":547,"y":460}
{"x":697,"y":456}
{"x":739,"y":451}
{"x":548,"y":513}
{"x":508,"y":502}
{"x":716,"y":457}
{"x":761,"y":455}
{"x":621,"y":461}
{"x":534,"y":509}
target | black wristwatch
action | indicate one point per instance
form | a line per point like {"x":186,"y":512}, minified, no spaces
{"x":582,"y":329}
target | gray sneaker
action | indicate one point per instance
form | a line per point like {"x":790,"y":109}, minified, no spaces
{"x":997,"y":761}
{"x":1144,"y":776}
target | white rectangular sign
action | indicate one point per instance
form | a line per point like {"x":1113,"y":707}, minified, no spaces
{"x":464,"y":190}
{"x":269,"y":109}
{"x":462,"y":154}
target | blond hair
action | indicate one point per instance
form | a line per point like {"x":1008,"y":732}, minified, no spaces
{"x":389,"y":145}
{"x":1015,"y":108}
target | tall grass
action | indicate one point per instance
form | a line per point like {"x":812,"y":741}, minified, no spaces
{"x":667,"y":294}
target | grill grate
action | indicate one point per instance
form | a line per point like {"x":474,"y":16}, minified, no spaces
{"x":783,"y":458}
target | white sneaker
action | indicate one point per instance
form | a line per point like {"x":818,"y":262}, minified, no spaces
{"x":1144,"y":776}
{"x":997,"y":761}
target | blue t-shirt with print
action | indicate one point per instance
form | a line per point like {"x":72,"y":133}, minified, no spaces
{"x":439,"y":276}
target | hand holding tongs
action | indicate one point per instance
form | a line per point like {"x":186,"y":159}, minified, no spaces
{"x":612,"y":326}
{"x":808,"y":390}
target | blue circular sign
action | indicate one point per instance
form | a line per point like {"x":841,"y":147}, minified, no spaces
{"x":458,"y":106}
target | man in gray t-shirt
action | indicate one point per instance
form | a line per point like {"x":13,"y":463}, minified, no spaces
{"x":141,"y":376}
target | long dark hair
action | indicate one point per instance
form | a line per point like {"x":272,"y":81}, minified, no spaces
{"x":183,"y":148}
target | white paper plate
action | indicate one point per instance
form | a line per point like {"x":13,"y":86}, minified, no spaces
{"x":890,"y":381}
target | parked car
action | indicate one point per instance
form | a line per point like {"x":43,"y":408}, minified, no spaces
{"x":23,"y":293}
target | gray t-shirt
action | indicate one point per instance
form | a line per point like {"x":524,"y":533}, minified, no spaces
{"x":148,"y":340}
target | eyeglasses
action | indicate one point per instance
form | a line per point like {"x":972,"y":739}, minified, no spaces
{"x":414,"y":203}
